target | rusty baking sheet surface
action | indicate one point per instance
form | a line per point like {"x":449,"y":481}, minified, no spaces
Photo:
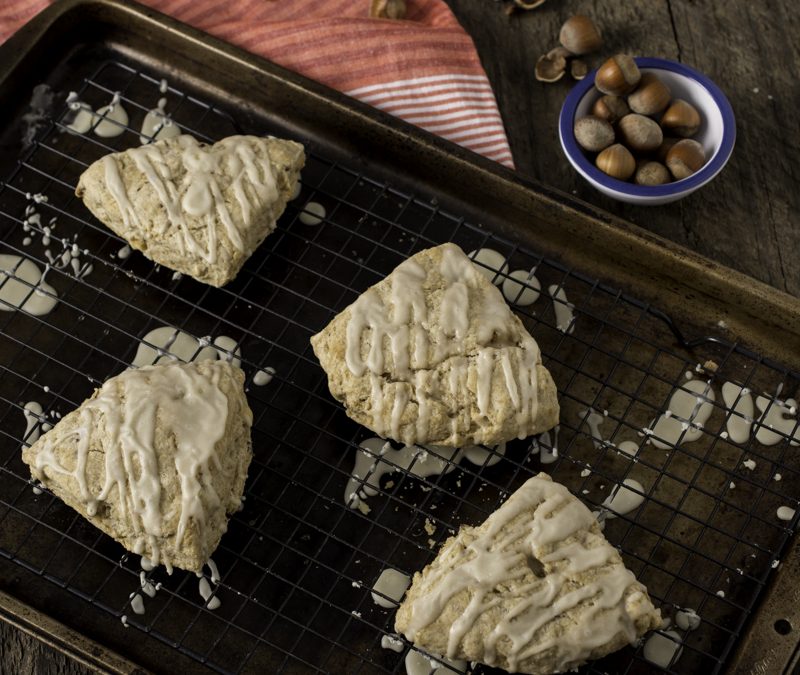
{"x":298,"y":562}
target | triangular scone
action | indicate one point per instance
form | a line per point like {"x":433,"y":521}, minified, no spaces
{"x":433,"y":355}
{"x":156,"y":458}
{"x":535,"y":589}
{"x":198,"y":209}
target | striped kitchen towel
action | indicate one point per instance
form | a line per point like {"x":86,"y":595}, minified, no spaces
{"x":423,"y":69}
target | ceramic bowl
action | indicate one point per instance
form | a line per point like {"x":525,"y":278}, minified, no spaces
{"x":717,"y":133}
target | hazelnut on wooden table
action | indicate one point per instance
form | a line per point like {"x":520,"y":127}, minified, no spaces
{"x":593,"y":134}
{"x":618,"y":76}
{"x":579,"y":35}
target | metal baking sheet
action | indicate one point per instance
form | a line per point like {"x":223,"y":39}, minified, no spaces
{"x":297,"y":563}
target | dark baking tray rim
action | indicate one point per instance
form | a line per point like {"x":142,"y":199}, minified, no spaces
{"x":670,"y":276}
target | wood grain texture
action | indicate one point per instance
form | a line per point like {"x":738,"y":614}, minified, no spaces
{"x":746,"y":218}
{"x":21,"y":654}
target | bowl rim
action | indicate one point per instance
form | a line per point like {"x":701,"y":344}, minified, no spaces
{"x":577,"y":157}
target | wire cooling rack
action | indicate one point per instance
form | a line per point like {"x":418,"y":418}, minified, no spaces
{"x":297,"y":564}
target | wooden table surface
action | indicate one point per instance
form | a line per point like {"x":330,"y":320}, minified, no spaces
{"x":747,"y":218}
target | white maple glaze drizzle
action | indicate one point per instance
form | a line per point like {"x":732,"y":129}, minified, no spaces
{"x":492,"y":264}
{"x":137,"y":603}
{"x":204,"y":588}
{"x":564,"y":310}
{"x":740,"y":411}
{"x":126,"y":408}
{"x":403,"y":336}
{"x":547,"y":447}
{"x":389,"y":588}
{"x":498,"y":554}
{"x":689,"y":409}
{"x":687,"y":619}
{"x":785,"y":513}
{"x":168,"y":344}
{"x":521,"y":288}
{"x":199,"y":193}
{"x":147,"y":587}
{"x":629,"y":448}
{"x":393,"y":643}
{"x":264,"y":376}
{"x":113,"y":119}
{"x":417,"y":663}
{"x":34,"y":422}
{"x":377,"y":458}
{"x":157,"y":124}
{"x":661,"y":651}
{"x":624,"y":498}
{"x":777,"y":422}
{"x":15,"y":293}
{"x":312,"y":214}
{"x":593,"y":420}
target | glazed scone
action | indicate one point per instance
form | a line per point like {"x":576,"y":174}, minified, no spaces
{"x":535,"y":589}
{"x":198,"y":209}
{"x":433,"y":355}
{"x":156,"y":458}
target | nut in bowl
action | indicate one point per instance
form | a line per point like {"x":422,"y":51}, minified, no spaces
{"x":694,"y":117}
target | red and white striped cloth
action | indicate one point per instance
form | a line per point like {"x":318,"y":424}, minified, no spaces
{"x":423,"y":69}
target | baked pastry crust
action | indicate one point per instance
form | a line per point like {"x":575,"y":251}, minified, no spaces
{"x":433,"y":355}
{"x":198,"y":209}
{"x":535,"y":589}
{"x":157,"y":459}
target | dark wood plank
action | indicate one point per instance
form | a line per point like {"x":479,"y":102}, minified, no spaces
{"x":746,"y":217}
{"x":22,"y":654}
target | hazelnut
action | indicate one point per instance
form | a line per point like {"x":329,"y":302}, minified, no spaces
{"x":650,"y":97}
{"x":681,"y":118}
{"x":616,"y":161}
{"x":551,"y":66}
{"x":618,"y":76}
{"x":685,"y":158}
{"x":651,"y":173}
{"x":387,"y":9}
{"x":593,"y":134}
{"x":640,"y":133}
{"x":578,"y":69}
{"x":664,"y":148}
{"x":610,"y":108}
{"x":580,"y":35}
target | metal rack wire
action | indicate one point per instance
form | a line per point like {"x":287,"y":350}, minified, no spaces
{"x":297,"y":562}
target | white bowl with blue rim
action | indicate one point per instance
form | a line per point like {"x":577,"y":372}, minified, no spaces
{"x":717,"y":133}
